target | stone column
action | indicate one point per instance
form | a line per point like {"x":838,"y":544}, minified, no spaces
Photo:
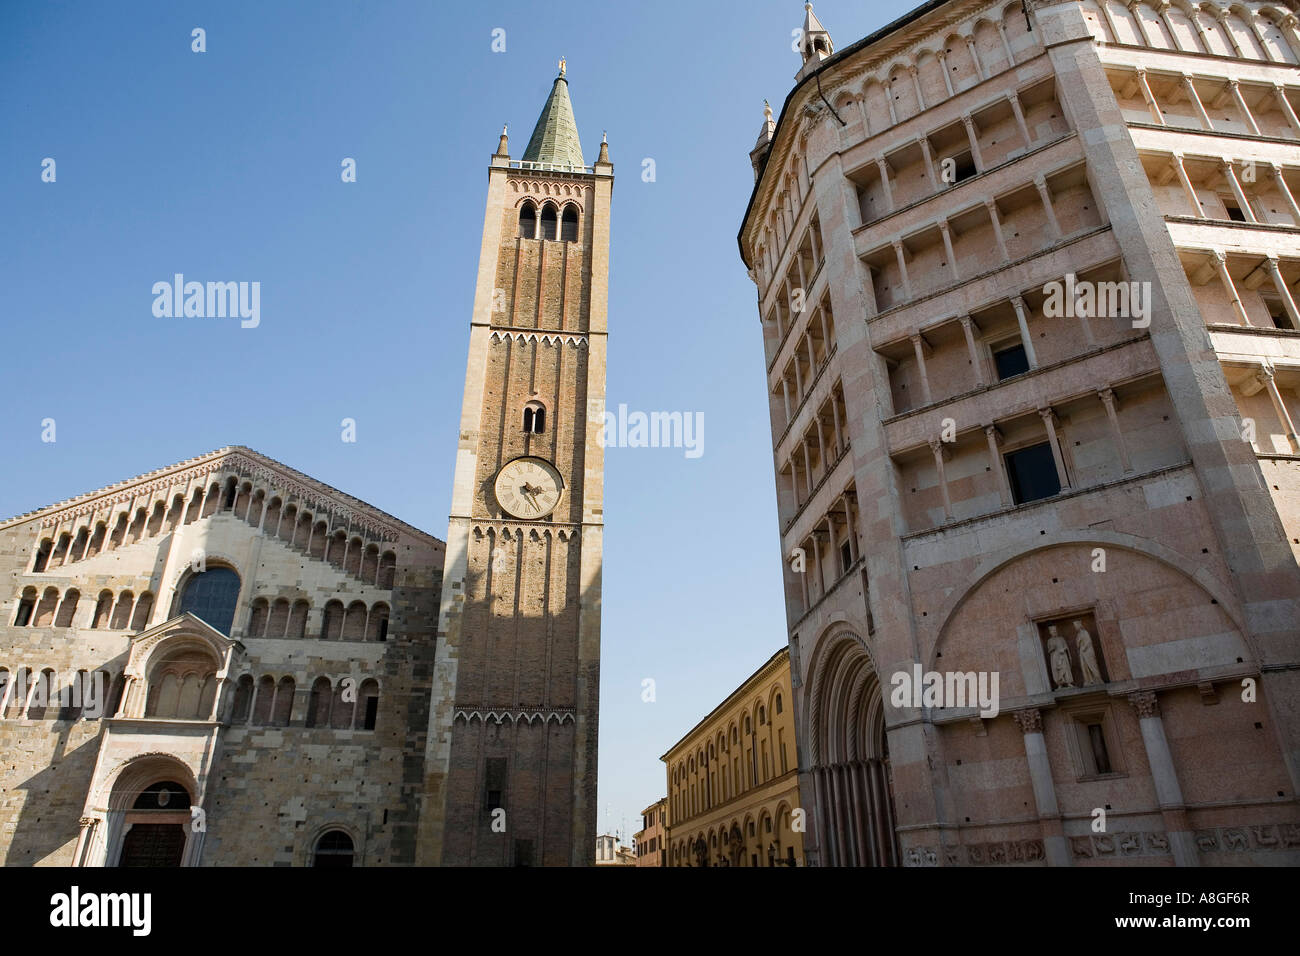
{"x":975,"y":56}
{"x":1284,"y":291}
{"x":924,"y":143}
{"x":992,"y":206}
{"x":1285,"y":105}
{"x":1265,"y":377}
{"x":1168,"y":792}
{"x":1107,"y":397}
{"x":1221,"y":264}
{"x":947,"y":247}
{"x":920,"y":347}
{"x":995,"y":460}
{"x":971,"y":135}
{"x":1014,"y":99}
{"x":1285,"y":190}
{"x":916,"y":83}
{"x":1187,"y":185}
{"x":943,"y":68}
{"x":1049,"y":420}
{"x":884,"y":183}
{"x":1019,"y":305}
{"x":1230,"y":174}
{"x":967,"y":328}
{"x":1046,"y":197}
{"x":937,"y":448}
{"x":1147,"y":95}
{"x":902,"y":267}
{"x":1189,"y":86}
{"x":1030,"y":723}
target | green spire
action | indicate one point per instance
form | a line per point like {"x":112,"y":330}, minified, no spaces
{"x":555,"y":139}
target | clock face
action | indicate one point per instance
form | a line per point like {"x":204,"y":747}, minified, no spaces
{"x":529,"y":487}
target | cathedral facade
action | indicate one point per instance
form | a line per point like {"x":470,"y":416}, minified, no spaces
{"x":228,"y":662}
{"x":1026,"y":280}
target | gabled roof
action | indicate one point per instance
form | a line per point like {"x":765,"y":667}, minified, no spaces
{"x":555,"y":138}
{"x":238,"y":456}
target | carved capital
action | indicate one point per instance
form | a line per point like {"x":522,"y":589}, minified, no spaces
{"x":1029,"y":721}
{"x":1145,"y":704}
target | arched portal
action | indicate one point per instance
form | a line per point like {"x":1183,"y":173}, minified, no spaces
{"x":149,"y":817}
{"x":850,"y":758}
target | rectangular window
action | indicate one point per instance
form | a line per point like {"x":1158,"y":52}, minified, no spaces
{"x":1233,"y":208}
{"x":494,"y":782}
{"x":1011,"y":361}
{"x":1032,"y":473}
{"x":1277,"y":312}
{"x":1097,"y":744}
{"x":523,"y":853}
{"x":846,"y":556}
{"x":963,"y":166}
{"x":372,"y":712}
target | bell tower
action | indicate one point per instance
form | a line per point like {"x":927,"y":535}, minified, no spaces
{"x":511,"y":750}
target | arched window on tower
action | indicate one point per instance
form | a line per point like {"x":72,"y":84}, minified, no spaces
{"x":211,"y":595}
{"x":527,"y":221}
{"x":548,"y":221}
{"x":334,"y":848}
{"x":569,"y":224}
{"x":534,"y":418}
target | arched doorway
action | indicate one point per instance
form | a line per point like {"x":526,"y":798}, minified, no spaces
{"x":149,"y":815}
{"x":850,"y":759}
{"x":155,"y":826}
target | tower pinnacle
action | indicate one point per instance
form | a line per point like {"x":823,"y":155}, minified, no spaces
{"x":815,"y":43}
{"x":555,"y":138}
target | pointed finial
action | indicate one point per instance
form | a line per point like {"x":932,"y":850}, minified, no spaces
{"x":767,"y":110}
{"x":561,"y":66}
{"x":503,"y":147}
{"x":604,"y":148}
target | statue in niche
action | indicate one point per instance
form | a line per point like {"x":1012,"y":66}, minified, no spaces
{"x":1059,"y":655}
{"x":1091,"y":671}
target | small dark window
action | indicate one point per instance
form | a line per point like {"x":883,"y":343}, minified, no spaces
{"x":1032,"y":472}
{"x":527,"y":221}
{"x":569,"y":224}
{"x":333,"y":849}
{"x":1011,"y":361}
{"x":494,"y":783}
{"x":42,"y":556}
{"x":1100,"y":757}
{"x":964,"y":167}
{"x":1233,"y":209}
{"x":548,"y":222}
{"x":778,"y":703}
{"x":372,"y":712}
{"x":534,"y":418}
{"x":25,"y":609}
{"x":846,"y":556}
{"x":167,"y":795}
{"x":1277,"y":312}
{"x":523,"y":853}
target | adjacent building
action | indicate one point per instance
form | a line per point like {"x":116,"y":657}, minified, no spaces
{"x":610,"y":851}
{"x":1026,"y":280}
{"x":651,"y":845}
{"x":733,"y":780}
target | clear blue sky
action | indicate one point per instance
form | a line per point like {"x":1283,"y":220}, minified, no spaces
{"x":225,"y":166}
